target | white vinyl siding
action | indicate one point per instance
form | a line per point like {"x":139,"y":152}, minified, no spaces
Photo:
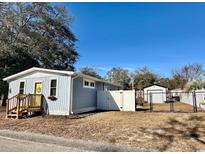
{"x":60,"y":106}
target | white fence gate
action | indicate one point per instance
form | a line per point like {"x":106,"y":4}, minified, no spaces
{"x":123,"y":100}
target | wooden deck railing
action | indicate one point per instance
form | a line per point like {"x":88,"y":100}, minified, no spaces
{"x":20,"y":103}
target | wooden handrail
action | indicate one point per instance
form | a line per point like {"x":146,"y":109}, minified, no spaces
{"x":21,"y":103}
{"x":13,"y":97}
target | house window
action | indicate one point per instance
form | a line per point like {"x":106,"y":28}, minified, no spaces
{"x":21,"y":88}
{"x":53,"y":87}
{"x":88,"y":84}
{"x":92,"y":84}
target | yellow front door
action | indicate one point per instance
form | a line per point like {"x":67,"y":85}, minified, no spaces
{"x":38,"y":93}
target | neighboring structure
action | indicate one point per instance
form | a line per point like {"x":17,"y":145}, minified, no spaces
{"x":158,"y":93}
{"x":64,"y":92}
{"x":176,"y":92}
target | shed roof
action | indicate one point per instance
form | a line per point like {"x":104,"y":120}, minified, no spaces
{"x":155,"y":85}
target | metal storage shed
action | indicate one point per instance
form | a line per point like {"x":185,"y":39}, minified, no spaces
{"x":158,"y":93}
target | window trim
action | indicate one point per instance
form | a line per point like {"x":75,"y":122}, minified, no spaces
{"x":56,"y":86}
{"x":23,"y":87}
{"x":89,"y":83}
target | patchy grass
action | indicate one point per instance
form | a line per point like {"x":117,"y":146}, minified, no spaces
{"x":162,"y":131}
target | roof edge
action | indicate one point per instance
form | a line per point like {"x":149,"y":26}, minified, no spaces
{"x":37,"y":69}
{"x":155,"y":85}
{"x":14,"y":76}
{"x":96,"y":79}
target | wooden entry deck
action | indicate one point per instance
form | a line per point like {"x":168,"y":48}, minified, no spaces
{"x":23,"y":105}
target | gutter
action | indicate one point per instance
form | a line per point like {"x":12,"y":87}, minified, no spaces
{"x":71,"y":94}
{"x":98,"y":80}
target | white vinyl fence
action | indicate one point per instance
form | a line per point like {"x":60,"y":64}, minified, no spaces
{"x":121,"y":100}
{"x":188,"y":98}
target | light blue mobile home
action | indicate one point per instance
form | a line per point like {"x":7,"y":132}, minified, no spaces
{"x":64,"y":92}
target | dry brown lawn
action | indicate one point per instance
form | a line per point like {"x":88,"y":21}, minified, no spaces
{"x":161,"y":131}
{"x":165,"y":107}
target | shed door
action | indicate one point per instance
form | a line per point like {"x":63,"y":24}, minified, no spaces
{"x":157,"y":96}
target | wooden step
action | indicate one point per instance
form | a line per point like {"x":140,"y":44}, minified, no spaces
{"x":22,"y":105}
{"x":13,"y":112}
{"x":34,"y":109}
{"x":12,"y":115}
{"x":15,"y":115}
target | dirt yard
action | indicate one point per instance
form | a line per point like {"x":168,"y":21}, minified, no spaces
{"x":161,"y":131}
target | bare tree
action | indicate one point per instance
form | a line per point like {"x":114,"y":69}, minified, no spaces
{"x":144,"y":77}
{"x":119,"y":76}
{"x":188,"y":73}
{"x":90,"y":71}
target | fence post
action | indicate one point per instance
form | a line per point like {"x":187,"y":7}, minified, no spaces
{"x":172,"y":105}
{"x":135,"y":100}
{"x":7,"y":108}
{"x":150,"y":99}
{"x":17,"y":108}
{"x":194,"y":101}
{"x":171,"y":102}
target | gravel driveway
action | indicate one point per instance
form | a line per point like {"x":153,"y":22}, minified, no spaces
{"x":12,"y":141}
{"x":16,"y":145}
